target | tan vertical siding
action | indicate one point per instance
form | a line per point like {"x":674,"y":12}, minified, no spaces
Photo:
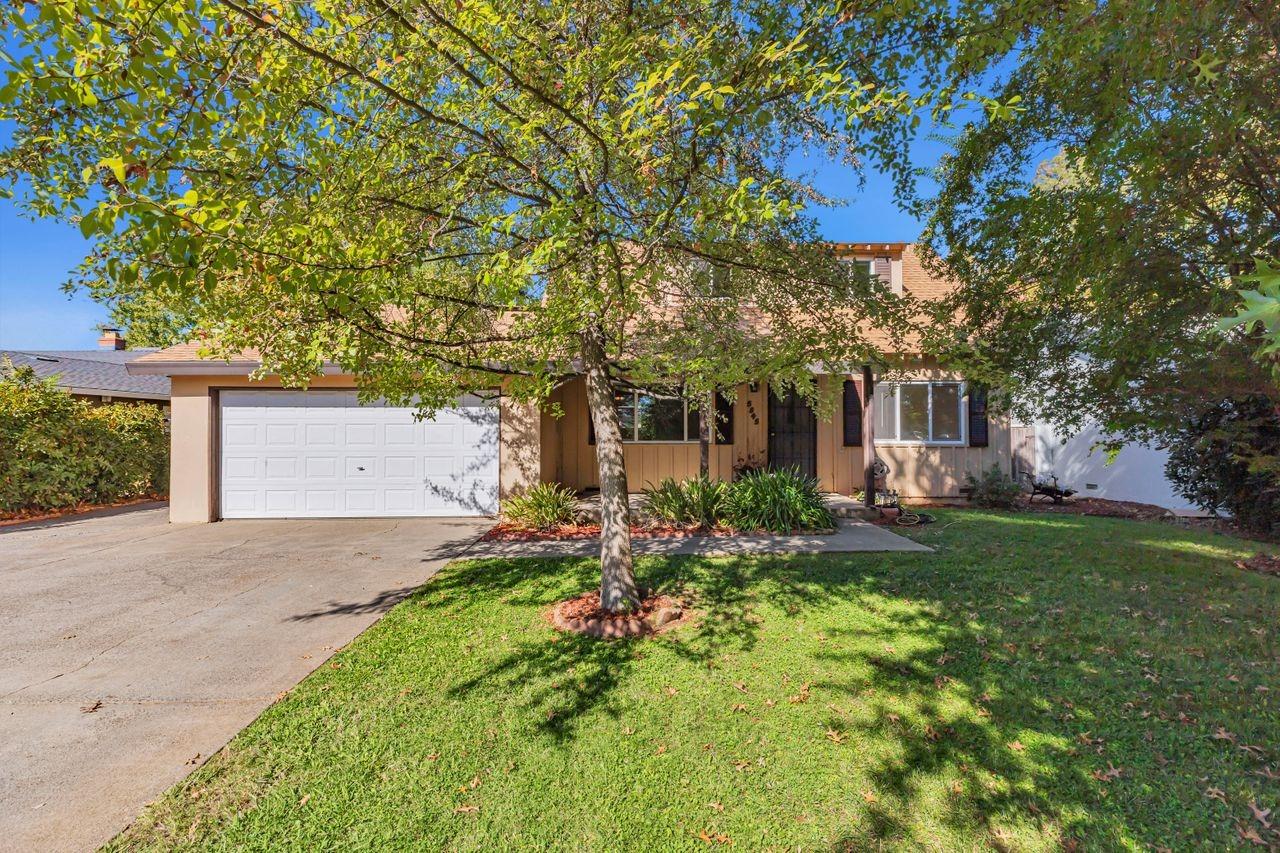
{"x":649,"y":463}
{"x":916,"y":471}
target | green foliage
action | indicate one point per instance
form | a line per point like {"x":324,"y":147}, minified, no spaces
{"x":778,"y":501}
{"x":427,"y":198}
{"x":698,"y":501}
{"x":1092,"y":291}
{"x":542,"y":506}
{"x":1261,"y":309}
{"x":994,"y":488}
{"x":1229,"y":458}
{"x":56,"y":451}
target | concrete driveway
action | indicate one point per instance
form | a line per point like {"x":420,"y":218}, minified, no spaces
{"x":131,"y":649}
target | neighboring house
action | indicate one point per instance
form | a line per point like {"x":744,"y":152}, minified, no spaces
{"x":1135,"y":474}
{"x":250,"y":449}
{"x":97,"y":375}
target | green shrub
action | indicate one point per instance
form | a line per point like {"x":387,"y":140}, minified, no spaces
{"x":543,"y":506}
{"x":777,"y":501}
{"x":994,"y":489}
{"x":56,"y":451}
{"x":1229,"y":458}
{"x":698,"y":501}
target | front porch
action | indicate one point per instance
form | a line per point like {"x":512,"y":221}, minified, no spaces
{"x":556,"y":445}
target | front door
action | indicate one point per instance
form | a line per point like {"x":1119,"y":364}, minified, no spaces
{"x":793,"y":434}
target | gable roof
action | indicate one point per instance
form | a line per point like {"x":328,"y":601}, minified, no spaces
{"x":93,"y":371}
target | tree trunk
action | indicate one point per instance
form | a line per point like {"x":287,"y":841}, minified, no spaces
{"x":705,"y":414}
{"x":617,"y":584}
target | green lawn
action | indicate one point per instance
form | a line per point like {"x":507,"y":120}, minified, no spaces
{"x":1041,"y":679}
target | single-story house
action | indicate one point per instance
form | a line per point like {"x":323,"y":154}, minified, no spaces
{"x":246,"y":448}
{"x":96,"y":375}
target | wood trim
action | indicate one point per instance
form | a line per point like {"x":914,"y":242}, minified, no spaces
{"x":868,"y":437}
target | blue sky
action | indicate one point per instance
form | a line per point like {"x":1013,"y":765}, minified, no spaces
{"x":37,"y":257}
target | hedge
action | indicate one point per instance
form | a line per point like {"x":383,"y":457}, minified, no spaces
{"x":57,"y":451}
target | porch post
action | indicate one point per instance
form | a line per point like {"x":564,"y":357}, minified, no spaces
{"x":868,"y":438}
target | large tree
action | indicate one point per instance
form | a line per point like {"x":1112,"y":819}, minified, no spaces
{"x":1092,"y":286}
{"x":444,"y":197}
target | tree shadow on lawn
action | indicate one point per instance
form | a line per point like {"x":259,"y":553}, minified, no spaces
{"x":988,"y":721}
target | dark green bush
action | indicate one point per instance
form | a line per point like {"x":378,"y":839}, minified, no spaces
{"x":56,"y":451}
{"x":541,"y":507}
{"x":698,"y":501}
{"x":777,"y":501}
{"x":994,"y":488}
{"x":1229,"y":458}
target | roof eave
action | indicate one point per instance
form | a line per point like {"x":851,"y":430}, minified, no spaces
{"x":208,"y":368}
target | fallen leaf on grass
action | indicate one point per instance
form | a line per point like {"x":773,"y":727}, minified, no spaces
{"x":1112,"y":772}
{"x":835,"y":736}
{"x":1016,"y":746}
{"x":714,"y":837}
{"x":1223,"y":734}
{"x":433,"y":756}
{"x":741,"y":685}
{"x":869,"y":796}
{"x":742,"y":765}
{"x":662,"y":748}
{"x":627,"y":731}
{"x":1216,"y":794}
{"x":669,"y":690}
{"x":739,"y":708}
{"x":1248,"y":833}
{"x":466,"y":808}
{"x":802,"y":696}
{"x":717,"y":807}
{"x":1260,"y":815}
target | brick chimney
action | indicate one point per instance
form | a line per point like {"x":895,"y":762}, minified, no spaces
{"x":111,"y":339}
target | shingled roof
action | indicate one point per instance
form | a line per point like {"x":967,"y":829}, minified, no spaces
{"x":98,"y":372}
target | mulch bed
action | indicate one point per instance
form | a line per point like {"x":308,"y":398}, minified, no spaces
{"x":1263,"y":564}
{"x":24,"y":516}
{"x":1102,"y":507}
{"x":583,"y":615}
{"x":503,"y":532}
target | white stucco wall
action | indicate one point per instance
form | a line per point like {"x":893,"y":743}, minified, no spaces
{"x":1137,"y":474}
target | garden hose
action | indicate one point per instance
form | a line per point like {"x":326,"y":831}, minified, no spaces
{"x":908,"y":518}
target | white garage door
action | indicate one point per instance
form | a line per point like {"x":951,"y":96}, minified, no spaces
{"x":320,"y":454}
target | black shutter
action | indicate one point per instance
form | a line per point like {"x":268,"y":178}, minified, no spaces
{"x":591,"y":427}
{"x":724,"y":420}
{"x":977,"y":416}
{"x":852,"y":414}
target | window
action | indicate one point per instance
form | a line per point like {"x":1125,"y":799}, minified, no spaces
{"x":648,"y":416}
{"x":861,"y":268}
{"x":920,"y":412}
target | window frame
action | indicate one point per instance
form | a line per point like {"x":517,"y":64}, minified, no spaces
{"x":635,"y":419}
{"x":962,"y":410}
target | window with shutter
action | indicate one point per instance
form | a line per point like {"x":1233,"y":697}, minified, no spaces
{"x":852,"y":413}
{"x":977,"y":416}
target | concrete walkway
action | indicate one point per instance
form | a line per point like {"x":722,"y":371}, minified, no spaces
{"x":132,"y":649}
{"x":851,"y":536}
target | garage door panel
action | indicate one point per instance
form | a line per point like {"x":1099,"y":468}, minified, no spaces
{"x":361,"y":435}
{"x":320,"y":501}
{"x":400,"y":467}
{"x":321,"y":467}
{"x":321,"y":434}
{"x":288,"y":453}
